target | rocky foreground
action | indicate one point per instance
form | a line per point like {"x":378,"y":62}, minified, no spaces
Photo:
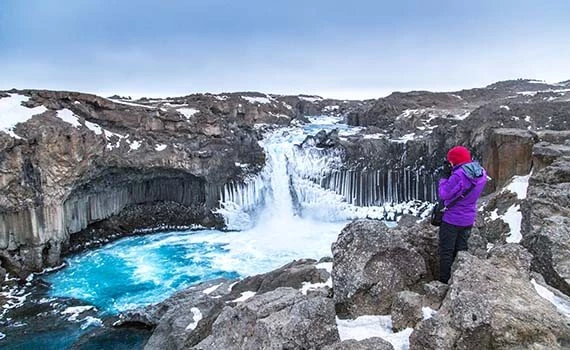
{"x":496,"y":299}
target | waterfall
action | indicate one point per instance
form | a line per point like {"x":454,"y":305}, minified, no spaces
{"x":310,"y":182}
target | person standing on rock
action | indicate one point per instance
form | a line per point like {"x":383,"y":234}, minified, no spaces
{"x":459,"y":189}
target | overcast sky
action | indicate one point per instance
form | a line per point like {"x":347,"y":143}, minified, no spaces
{"x":346,"y":49}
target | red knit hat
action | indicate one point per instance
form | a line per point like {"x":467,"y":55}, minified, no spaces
{"x":459,"y":155}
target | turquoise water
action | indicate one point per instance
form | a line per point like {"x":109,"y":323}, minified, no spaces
{"x":138,"y":271}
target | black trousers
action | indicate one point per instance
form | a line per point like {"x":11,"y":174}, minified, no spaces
{"x":451,"y":240}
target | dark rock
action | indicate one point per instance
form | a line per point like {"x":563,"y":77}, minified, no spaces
{"x":186,"y":318}
{"x":435,"y":292}
{"x":283,"y":318}
{"x":546,"y":223}
{"x":322,"y":139}
{"x":480,"y":310}
{"x":373,"y":343}
{"x":509,"y":154}
{"x":291,"y":275}
{"x":406,"y":310}
{"x":371,"y":265}
{"x":182,"y":320}
{"x":545,"y":153}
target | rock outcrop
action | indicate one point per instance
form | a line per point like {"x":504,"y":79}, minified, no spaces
{"x":491,"y":304}
{"x":373,"y":343}
{"x":373,"y":263}
{"x":289,"y":305}
{"x":406,"y":310}
{"x":283,"y":318}
{"x":546,"y":223}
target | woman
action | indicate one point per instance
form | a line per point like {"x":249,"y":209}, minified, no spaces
{"x":459,"y":193}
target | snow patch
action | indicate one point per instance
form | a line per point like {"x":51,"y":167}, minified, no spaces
{"x":561,"y":305}
{"x":135,"y":145}
{"x":405,"y":138}
{"x":463,"y":116}
{"x":507,"y":108}
{"x":160,"y":147}
{"x":69,"y":117}
{"x":109,"y":135}
{"x":94,"y":127}
{"x":196,"y":317}
{"x":428,"y":312}
{"x":518,"y":185}
{"x":12,"y":112}
{"x":331,"y":108}
{"x":244,"y":296}
{"x":513,"y":218}
{"x":188,"y":112}
{"x":211,"y":289}
{"x":251,"y":99}
{"x":130,"y":104}
{"x":311,"y":98}
{"x":374,"y":136}
{"x":373,"y":326}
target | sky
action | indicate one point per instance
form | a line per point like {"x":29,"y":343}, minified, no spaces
{"x":340,"y":49}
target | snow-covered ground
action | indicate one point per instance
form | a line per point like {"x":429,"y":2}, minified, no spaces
{"x":374,"y":326}
{"x":12,"y":112}
{"x":563,"y":306}
{"x":513,"y":215}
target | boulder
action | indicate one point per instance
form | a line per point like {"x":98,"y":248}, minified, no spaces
{"x":482,"y":310}
{"x":545,"y":153}
{"x":434,"y":293}
{"x":186,"y":318}
{"x":371,"y":264}
{"x":279,"y":319}
{"x":406,"y":310}
{"x":374,"y":343}
{"x":293,"y":274}
{"x":546,"y":223}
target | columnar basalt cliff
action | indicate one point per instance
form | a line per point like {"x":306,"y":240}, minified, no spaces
{"x":83,"y":159}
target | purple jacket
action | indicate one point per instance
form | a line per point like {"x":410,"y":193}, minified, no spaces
{"x":463,"y":177}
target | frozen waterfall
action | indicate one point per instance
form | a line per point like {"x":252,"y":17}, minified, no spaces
{"x":309,"y":182}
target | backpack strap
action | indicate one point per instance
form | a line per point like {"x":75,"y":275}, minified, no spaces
{"x":459,"y":197}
